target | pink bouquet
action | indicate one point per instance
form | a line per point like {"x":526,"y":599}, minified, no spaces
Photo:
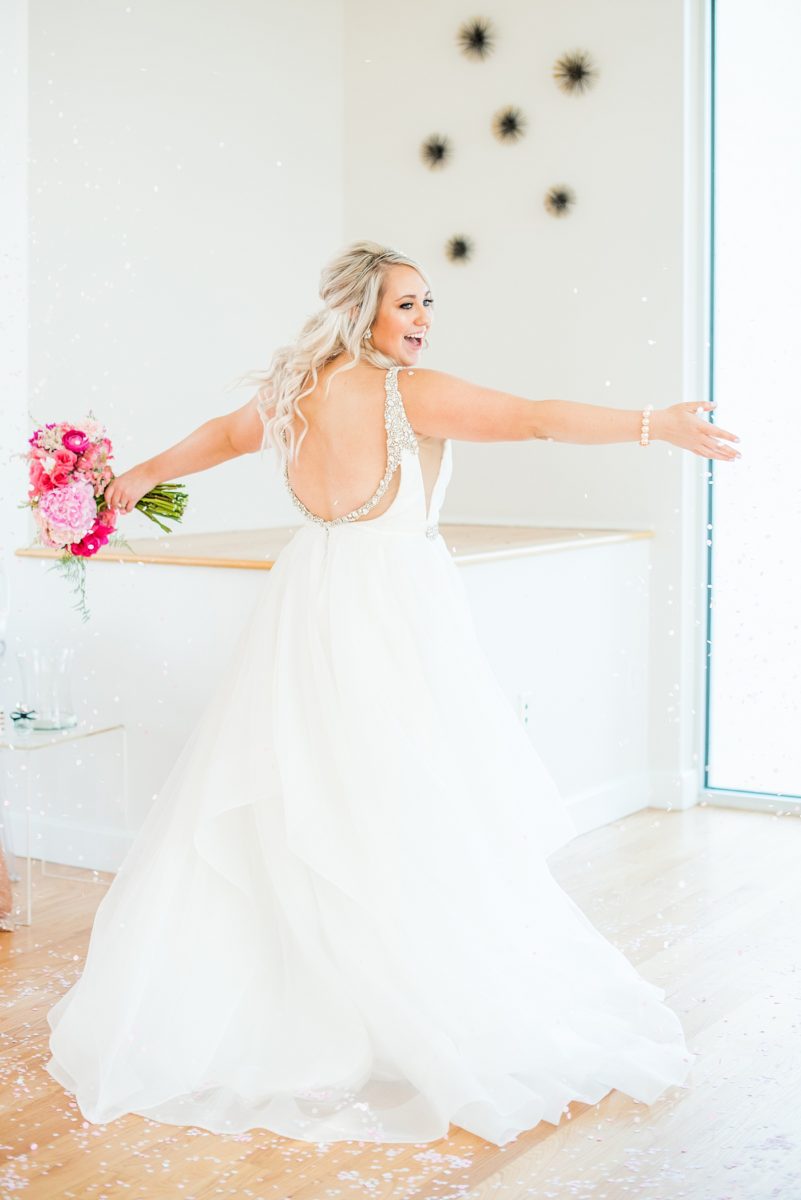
{"x":69,"y":470}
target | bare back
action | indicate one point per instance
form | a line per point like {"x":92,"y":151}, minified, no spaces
{"x":343,"y":456}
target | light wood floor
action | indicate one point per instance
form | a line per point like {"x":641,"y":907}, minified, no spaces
{"x":706,"y":903}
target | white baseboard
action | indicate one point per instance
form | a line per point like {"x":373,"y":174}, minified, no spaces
{"x":610,"y":801}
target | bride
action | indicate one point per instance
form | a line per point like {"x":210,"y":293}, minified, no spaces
{"x":337,"y":920}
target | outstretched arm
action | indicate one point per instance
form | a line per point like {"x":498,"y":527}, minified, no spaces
{"x":442,"y":405}
{"x":213,"y":442}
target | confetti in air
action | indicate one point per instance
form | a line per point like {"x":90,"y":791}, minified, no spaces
{"x":459,"y":249}
{"x":575,"y":72}
{"x":508,"y":124}
{"x":435,"y":151}
{"x":559,"y":200}
{"x":476,"y":38}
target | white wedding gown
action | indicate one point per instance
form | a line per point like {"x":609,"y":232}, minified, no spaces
{"x":337,"y":920}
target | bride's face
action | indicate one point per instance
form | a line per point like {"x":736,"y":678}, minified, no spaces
{"x":404,"y":315}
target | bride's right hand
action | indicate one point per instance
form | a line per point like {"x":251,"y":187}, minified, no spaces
{"x":680,"y":425}
{"x":126,"y":490}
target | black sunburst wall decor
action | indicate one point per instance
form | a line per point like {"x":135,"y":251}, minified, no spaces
{"x":575,"y":72}
{"x":509,"y":124}
{"x":476,"y":38}
{"x":435,"y":151}
{"x":459,"y":248}
{"x":559,"y":200}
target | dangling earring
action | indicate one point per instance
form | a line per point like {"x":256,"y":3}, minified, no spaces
{"x":368,"y":334}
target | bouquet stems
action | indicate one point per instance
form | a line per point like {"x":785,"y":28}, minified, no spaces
{"x":167,"y":500}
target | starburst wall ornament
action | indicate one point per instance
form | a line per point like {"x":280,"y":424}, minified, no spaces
{"x":509,"y":124}
{"x":575,"y":72}
{"x":559,"y":200}
{"x":476,"y":38}
{"x":435,"y":151}
{"x":459,"y":248}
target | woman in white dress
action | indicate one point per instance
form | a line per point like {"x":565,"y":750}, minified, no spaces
{"x":337,"y":920}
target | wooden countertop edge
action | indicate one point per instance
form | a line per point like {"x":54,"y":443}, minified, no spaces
{"x":590,"y":538}
{"x":552,"y":547}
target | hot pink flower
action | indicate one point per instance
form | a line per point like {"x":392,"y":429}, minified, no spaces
{"x":75,"y":439}
{"x":86,"y":547}
{"x":97,"y":536}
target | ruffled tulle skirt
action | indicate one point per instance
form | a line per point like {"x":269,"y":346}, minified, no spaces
{"x":337,"y":920}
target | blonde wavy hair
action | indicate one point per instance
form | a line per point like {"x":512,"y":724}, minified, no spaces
{"x":351,"y":288}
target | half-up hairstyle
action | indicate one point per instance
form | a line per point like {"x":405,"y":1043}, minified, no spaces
{"x":351,"y":287}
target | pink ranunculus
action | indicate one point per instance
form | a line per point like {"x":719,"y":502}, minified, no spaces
{"x":64,"y":457}
{"x":38,"y":477}
{"x":68,"y":510}
{"x":100,"y":530}
{"x":60,"y":475}
{"x":86,"y":547}
{"x":76,"y":440}
{"x":108,"y":517}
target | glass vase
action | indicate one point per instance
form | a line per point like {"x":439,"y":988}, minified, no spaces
{"x":46,"y":679}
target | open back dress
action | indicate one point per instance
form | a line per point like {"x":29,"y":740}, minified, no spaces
{"x":337,"y":920}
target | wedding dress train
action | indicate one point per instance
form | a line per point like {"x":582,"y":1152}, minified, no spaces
{"x":337,"y":920}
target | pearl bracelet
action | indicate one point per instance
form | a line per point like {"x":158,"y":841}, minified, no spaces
{"x":646,"y":417}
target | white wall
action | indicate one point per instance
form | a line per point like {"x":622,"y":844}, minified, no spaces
{"x":603,"y":306}
{"x":171,"y":251}
{"x":146,"y":303}
{"x":166,"y":252}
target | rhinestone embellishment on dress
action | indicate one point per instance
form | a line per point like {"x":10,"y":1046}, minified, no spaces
{"x":400,"y":437}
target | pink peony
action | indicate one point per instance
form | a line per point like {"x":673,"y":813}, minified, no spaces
{"x":66,"y":514}
{"x":75,"y":439}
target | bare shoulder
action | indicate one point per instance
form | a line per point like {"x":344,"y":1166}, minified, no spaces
{"x":445,"y":406}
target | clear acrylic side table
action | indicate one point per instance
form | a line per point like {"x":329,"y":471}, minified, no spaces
{"x":15,"y":742}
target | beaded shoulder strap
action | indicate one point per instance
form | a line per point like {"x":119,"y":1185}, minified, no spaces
{"x":400,"y":437}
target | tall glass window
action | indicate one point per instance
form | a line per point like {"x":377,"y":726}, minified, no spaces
{"x":754,"y":627}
